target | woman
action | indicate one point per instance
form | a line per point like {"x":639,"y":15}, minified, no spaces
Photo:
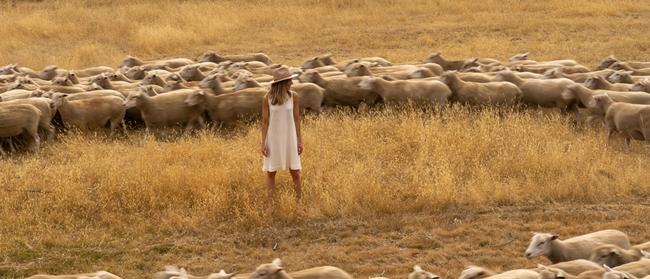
{"x":281,"y":139}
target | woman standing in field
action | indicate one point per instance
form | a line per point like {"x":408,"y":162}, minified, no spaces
{"x":281,"y":139}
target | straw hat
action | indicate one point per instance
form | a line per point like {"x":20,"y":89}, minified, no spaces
{"x":282,"y":73}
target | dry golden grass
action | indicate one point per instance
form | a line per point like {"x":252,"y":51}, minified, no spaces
{"x":385,"y":190}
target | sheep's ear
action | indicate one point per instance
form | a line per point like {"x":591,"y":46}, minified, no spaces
{"x":277,"y":262}
{"x":607,"y":268}
{"x":417,"y":268}
{"x":554,"y":236}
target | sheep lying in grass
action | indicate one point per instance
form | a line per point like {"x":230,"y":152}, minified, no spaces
{"x":579,"y":247}
{"x":419,"y":273}
{"x":275,"y":270}
{"x":91,"y":113}
{"x":408,"y":91}
{"x":94,"y":275}
{"x":476,"y":272}
{"x":211,"y":56}
{"x":16,"y":119}
{"x":632,"y":121}
{"x":573,"y":267}
{"x":474,"y":93}
{"x":180,"y":107}
{"x":613,"y":256}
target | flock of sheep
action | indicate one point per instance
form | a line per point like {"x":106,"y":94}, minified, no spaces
{"x":605,"y":254}
{"x":221,"y":89}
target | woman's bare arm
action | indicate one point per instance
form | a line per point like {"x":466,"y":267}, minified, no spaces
{"x":265,"y":124}
{"x":296,"y":119}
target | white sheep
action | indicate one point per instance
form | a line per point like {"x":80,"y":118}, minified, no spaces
{"x":579,"y":247}
{"x":211,"y":56}
{"x":275,"y":270}
{"x":341,"y":91}
{"x":613,"y":256}
{"x":16,"y":119}
{"x":91,"y":113}
{"x":476,"y":272}
{"x":632,"y":121}
{"x":419,"y":273}
{"x":182,"y":107}
{"x":94,"y":275}
{"x":599,"y":82}
{"x":419,"y":92}
{"x":474,"y":93}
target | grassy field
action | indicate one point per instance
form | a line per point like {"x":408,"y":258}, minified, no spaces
{"x":384,"y":190}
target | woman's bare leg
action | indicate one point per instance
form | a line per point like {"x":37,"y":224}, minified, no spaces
{"x":297,"y":181}
{"x":270,"y":185}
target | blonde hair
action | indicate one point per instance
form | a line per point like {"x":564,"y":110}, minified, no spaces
{"x":279,"y":92}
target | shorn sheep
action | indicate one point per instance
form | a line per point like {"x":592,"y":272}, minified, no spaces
{"x":632,"y":121}
{"x":275,"y":270}
{"x":613,"y":256}
{"x":579,"y":247}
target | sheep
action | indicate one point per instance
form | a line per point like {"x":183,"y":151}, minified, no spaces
{"x":579,"y":247}
{"x":312,"y":63}
{"x":419,"y":273}
{"x":446,"y":65}
{"x":93,"y":94}
{"x":213,"y":85}
{"x":638,"y":268}
{"x":634,"y":71}
{"x":400,"y":92}
{"x":610,"y":60}
{"x":173,"y":85}
{"x":103,"y":80}
{"x":542,"y":93}
{"x":243,"y":82}
{"x":44,"y":105}
{"x":16,"y":119}
{"x":542,"y":68}
{"x":48,"y":73}
{"x":91,"y":113}
{"x":19,"y":94}
{"x":573,"y":267}
{"x":95,"y":275}
{"x":474,"y":93}
{"x":612,"y":255}
{"x":576,"y":77}
{"x":275,"y":270}
{"x":341,"y":92}
{"x":357,"y":69}
{"x":169,"y":109}
{"x":173,"y":272}
{"x":211,"y":56}
{"x":632,"y":121}
{"x":520,"y":56}
{"x":191,"y":73}
{"x":475,"y":272}
{"x":583,"y":95}
{"x":643,"y":85}
{"x":131,"y":61}
{"x":599,"y":82}
{"x":93,"y":71}
{"x":622,"y":76}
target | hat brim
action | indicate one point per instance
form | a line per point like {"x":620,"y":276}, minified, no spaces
{"x":285,"y":78}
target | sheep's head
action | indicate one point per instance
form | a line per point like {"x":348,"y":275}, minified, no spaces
{"x":520,"y":56}
{"x":268,"y":271}
{"x":326,"y":59}
{"x":244,"y":82}
{"x":189,"y":71}
{"x":620,"y":65}
{"x":136,"y":72}
{"x":102,"y":80}
{"x":546,"y":272}
{"x":195,"y":98}
{"x":209,"y":81}
{"x":148,"y":90}
{"x":600,"y":101}
{"x":594,"y":82}
{"x":58,"y":99}
{"x":131,"y":61}
{"x":221,"y":275}
{"x":26,"y":80}
{"x":238,"y":66}
{"x":435,"y":57}
{"x":553,"y":73}
{"x":63,"y":81}
{"x":470,"y":64}
{"x":609,"y":255}
{"x":311,"y":63}
{"x":608,"y":61}
{"x":368,"y":83}
{"x":357,"y":70}
{"x":621,"y":77}
{"x":153,"y":78}
{"x":419,"y":273}
{"x":475,"y":272}
{"x":210,"y":56}
{"x":310,"y":76}
{"x":133,"y":99}
{"x":540,"y":245}
{"x":72,"y":76}
{"x":505,"y":76}
{"x":643,"y":85}
{"x":448,"y":77}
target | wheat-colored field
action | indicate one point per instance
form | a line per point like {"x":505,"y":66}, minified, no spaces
{"x":384,"y":190}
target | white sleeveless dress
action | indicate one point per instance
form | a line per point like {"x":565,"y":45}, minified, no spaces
{"x":281,"y":139}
